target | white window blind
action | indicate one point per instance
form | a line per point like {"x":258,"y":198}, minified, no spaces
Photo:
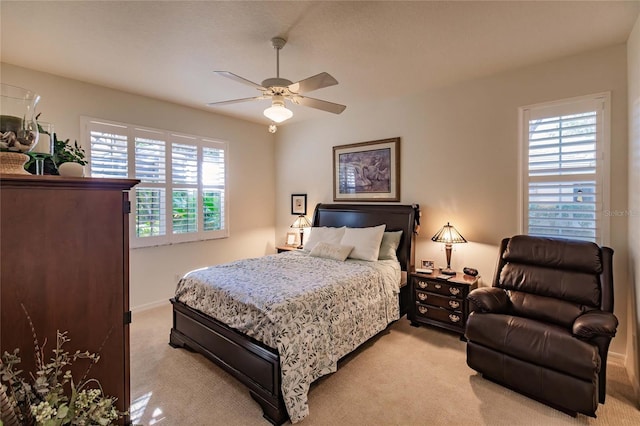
{"x":181,"y":194}
{"x":564,"y":168}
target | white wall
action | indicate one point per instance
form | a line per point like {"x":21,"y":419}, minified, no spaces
{"x":251,"y":177}
{"x":459,"y":156}
{"x":633,"y":75}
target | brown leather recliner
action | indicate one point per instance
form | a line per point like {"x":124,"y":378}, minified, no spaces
{"x":544,"y":327}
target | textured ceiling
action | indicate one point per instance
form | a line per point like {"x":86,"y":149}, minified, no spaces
{"x":376,"y":50}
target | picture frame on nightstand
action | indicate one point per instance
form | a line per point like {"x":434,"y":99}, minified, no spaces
{"x":426,"y":267}
{"x":291,"y":239}
{"x":428,"y":264}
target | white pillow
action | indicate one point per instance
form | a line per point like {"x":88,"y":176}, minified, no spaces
{"x":323,"y":233}
{"x":331,"y":251}
{"x":365,"y":242}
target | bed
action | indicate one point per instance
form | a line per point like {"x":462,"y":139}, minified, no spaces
{"x":252,"y":356}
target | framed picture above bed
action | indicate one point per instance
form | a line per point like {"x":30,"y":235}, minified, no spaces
{"x":367,"y":171}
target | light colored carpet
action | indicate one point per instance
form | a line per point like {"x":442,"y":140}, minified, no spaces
{"x":404,"y":376}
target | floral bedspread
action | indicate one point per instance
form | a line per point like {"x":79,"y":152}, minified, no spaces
{"x":312,"y":310}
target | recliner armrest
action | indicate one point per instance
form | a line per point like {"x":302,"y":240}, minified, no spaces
{"x":489,"y":299}
{"x":595,"y":323}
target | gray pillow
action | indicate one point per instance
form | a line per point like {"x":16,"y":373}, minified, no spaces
{"x":389,"y":245}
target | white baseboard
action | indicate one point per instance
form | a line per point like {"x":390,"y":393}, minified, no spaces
{"x":151,"y":305}
{"x":617,"y":359}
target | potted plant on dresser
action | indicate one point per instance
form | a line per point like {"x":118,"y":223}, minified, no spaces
{"x":69,"y":158}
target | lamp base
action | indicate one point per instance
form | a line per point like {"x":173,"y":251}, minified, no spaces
{"x":447,"y":271}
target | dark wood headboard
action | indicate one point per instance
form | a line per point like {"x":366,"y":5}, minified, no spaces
{"x":396,"y":216}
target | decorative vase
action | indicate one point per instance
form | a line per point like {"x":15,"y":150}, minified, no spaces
{"x":18,"y":128}
{"x":71,"y":169}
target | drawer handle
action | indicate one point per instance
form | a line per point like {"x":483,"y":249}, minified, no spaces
{"x":422,"y":309}
{"x":422,"y":284}
{"x":438,"y":286}
{"x":454,"y":290}
{"x":422,"y":296}
{"x":454,"y":318}
{"x":454,"y":304}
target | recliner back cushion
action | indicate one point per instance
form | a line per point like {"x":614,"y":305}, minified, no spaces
{"x":547,"y":309}
{"x":579,"y":256}
{"x":551,"y":280}
{"x":549,"y":295}
{"x":576,"y":287}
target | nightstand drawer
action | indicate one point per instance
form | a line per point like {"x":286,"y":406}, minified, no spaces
{"x":450,"y":303}
{"x":439,"y":287}
{"x":440,"y":314}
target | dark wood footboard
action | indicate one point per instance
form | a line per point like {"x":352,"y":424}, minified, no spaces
{"x":254,"y":364}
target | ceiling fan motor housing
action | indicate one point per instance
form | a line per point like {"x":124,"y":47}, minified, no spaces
{"x":276,"y":82}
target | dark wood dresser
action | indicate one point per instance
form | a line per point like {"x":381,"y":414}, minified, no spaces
{"x":65,"y":257}
{"x":439,"y":301}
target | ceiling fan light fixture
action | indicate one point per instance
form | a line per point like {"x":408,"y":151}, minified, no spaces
{"x":277,"y":112}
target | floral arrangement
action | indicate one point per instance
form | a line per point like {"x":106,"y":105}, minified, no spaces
{"x":51,"y":397}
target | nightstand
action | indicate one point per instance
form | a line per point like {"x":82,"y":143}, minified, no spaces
{"x":440,"y":302}
{"x":285,"y":248}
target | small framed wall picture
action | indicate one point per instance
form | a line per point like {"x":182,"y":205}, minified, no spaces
{"x":299,"y":204}
{"x":291,"y":239}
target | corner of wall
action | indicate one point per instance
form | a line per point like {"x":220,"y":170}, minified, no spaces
{"x":632,"y":364}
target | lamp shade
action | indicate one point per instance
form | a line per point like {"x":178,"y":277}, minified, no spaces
{"x":301,"y":222}
{"x":277,"y":112}
{"x":448,"y":235}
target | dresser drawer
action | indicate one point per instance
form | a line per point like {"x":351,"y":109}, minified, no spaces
{"x":440,"y":314}
{"x":450,"y":303}
{"x":440,"y":287}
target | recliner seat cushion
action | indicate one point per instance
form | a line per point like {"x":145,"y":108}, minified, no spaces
{"x":536,"y":342}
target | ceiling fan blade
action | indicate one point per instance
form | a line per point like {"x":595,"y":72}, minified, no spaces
{"x":235,"y":101}
{"x":316,"y":82}
{"x":318,"y":104}
{"x":239,"y":79}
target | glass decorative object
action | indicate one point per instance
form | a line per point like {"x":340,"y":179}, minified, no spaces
{"x":18,"y":128}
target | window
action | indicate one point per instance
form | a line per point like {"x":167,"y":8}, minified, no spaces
{"x":565,"y":168}
{"x":182,"y":190}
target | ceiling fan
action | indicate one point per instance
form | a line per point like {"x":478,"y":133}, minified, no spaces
{"x":278,"y":89}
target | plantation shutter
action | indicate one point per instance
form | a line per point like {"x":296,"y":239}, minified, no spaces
{"x":108,"y":151}
{"x":564,"y":170}
{"x":182,"y":189}
{"x":150,"y":193}
{"x":184,"y":166}
{"x":213,"y":188}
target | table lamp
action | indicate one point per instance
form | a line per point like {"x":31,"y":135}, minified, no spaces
{"x":448,"y":235}
{"x":300,"y":223}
